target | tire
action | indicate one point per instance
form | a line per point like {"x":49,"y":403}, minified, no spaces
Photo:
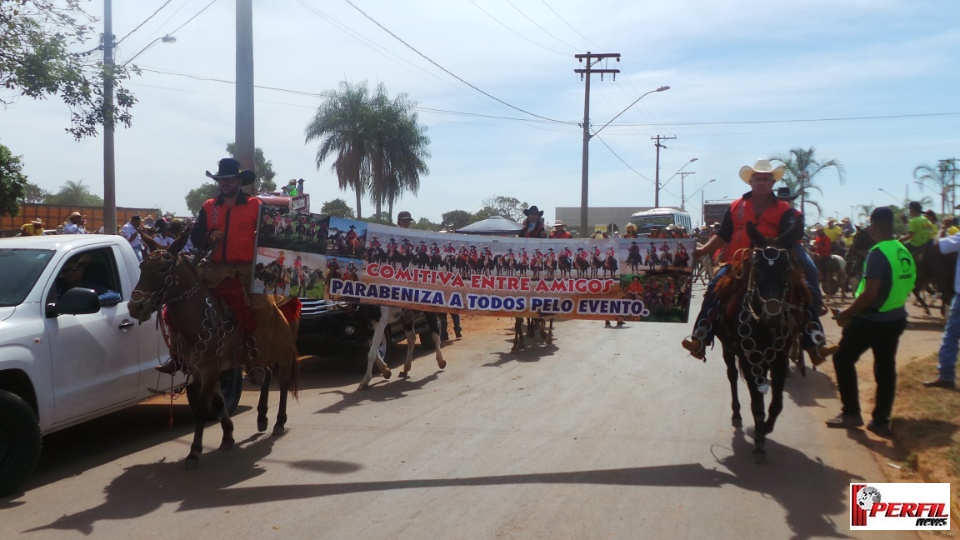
{"x":20,"y":442}
{"x":231,"y":386}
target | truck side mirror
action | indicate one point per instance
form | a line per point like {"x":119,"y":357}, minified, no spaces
{"x":76,"y":301}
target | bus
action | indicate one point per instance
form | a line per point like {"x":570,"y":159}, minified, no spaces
{"x":660,"y":218}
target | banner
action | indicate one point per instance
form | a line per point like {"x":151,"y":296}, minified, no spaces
{"x":314,"y":256}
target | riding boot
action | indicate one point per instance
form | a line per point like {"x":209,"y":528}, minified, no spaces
{"x":695,"y":347}
{"x":820,"y":353}
{"x":171,"y":366}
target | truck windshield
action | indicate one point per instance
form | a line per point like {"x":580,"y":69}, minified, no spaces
{"x":20,"y":269}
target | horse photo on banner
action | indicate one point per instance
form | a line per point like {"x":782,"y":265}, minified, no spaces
{"x":500,"y":276}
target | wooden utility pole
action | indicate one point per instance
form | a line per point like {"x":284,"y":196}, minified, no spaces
{"x":656,"y":193}
{"x":243,"y":126}
{"x":591,"y":59}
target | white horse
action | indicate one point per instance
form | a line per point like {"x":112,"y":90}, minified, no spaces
{"x":382,"y":316}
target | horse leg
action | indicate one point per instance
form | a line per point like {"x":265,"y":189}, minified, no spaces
{"x":549,"y":331}
{"x":379,"y":329}
{"x":730,"y":360}
{"x":433,"y":321}
{"x":759,"y":420}
{"x":411,"y":342}
{"x":517,"y":335}
{"x":778,"y":376}
{"x":262,"y":403}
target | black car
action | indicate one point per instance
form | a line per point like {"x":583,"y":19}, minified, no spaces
{"x":327,"y":326}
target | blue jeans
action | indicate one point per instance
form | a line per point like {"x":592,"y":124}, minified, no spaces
{"x":950,"y":345}
{"x":810,"y":272}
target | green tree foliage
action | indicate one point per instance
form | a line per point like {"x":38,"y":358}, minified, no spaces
{"x":74,"y":194}
{"x":35,"y":194}
{"x":36,"y":38}
{"x":197,"y":196}
{"x":13,"y":183}
{"x":426,"y":225}
{"x":337,"y":208}
{"x":263,"y":169}
{"x":456,"y":219}
{"x":941,"y":179}
{"x":802,"y":169}
{"x":379,"y":147}
{"x":498,"y":205}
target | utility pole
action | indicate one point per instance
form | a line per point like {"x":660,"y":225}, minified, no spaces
{"x":109,"y":163}
{"x":591,"y":60}
{"x":656,"y":193}
{"x":243,"y":124}
{"x":683,"y":176}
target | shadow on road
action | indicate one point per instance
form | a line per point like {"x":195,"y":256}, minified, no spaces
{"x":807,"y":489}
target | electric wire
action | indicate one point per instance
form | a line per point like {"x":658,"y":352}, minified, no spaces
{"x":145,"y":21}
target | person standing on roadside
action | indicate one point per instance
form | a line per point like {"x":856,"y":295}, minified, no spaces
{"x":74,"y":224}
{"x":131,"y":231}
{"x":875,"y":320}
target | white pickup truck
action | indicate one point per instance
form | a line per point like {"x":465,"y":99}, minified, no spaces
{"x":68,"y":355}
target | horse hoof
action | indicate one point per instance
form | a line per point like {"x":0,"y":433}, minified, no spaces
{"x":442,"y":363}
{"x":191,"y":463}
{"x":278,"y":430}
{"x":387,"y":374}
{"x":261,"y":425}
{"x":363,"y":386}
{"x":403,"y":374}
{"x":759,"y":456}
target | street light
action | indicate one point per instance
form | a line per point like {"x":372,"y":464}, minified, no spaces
{"x":890,"y":195}
{"x":584,"y":173}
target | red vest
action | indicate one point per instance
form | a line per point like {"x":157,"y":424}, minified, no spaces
{"x":239,"y":225}
{"x":768,"y":224}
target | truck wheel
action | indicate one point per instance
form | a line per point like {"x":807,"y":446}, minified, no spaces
{"x":19,"y":441}
{"x":231,"y":386}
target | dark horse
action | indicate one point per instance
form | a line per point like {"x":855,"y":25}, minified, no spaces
{"x":208,"y":341}
{"x":762,"y":295}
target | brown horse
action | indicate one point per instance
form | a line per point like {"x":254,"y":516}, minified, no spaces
{"x":207,"y":340}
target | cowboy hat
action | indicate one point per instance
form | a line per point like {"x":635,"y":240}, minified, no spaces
{"x":37,"y":221}
{"x":404,"y":216}
{"x":228,"y":168}
{"x":533,"y":210}
{"x":762,"y":166}
{"x":784,"y":193}
{"x":558,"y":223}
{"x":74,"y":214}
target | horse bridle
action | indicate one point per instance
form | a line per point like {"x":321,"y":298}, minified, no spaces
{"x":158,"y":298}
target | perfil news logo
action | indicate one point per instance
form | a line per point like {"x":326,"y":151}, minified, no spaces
{"x":899,"y":507}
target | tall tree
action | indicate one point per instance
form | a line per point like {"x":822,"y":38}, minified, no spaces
{"x":941,"y":178}
{"x":802,"y":169}
{"x":13,"y":183}
{"x":37,"y":59}
{"x":340,"y":126}
{"x":498,"y":205}
{"x":262,"y":168}
{"x":197,"y":196}
{"x":455,"y":219}
{"x":35,"y":194}
{"x":75,"y":194}
{"x":337,"y":208}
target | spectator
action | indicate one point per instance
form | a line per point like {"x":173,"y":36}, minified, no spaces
{"x":131,"y":231}
{"x":74,"y":224}
{"x":950,"y":342}
{"x":34,"y":228}
{"x":875,"y":320}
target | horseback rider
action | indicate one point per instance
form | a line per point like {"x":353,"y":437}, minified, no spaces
{"x":834,"y":232}
{"x":227,"y":224}
{"x":772,"y":217}
{"x":920,"y":232}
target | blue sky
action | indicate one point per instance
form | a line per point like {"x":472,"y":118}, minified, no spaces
{"x":871,"y":83}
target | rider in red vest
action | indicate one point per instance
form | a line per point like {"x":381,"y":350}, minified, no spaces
{"x":772,"y":217}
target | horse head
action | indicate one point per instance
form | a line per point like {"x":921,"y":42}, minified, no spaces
{"x":158,"y":277}
{"x":770,"y":271}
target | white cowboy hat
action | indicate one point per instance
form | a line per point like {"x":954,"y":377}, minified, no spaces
{"x":558,"y":223}
{"x":761,"y":166}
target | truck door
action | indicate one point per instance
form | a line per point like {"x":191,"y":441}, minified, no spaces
{"x":94,"y":356}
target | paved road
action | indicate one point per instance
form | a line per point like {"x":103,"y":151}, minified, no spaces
{"x":609,"y":433}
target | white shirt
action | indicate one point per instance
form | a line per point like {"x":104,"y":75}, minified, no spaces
{"x":951,"y":244}
{"x":73,"y":228}
{"x":128,"y":232}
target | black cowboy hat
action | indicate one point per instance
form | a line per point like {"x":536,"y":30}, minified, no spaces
{"x":533,"y":209}
{"x":230,"y":168}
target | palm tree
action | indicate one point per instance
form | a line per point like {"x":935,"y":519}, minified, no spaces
{"x":341,"y":126}
{"x":802,"y":169}
{"x":941,"y":178}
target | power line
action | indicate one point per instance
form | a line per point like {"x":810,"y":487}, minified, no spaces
{"x":503,"y":24}
{"x":568,"y":24}
{"x":445,"y":70}
{"x":621,"y":159}
{"x":545,"y":31}
{"x":165,"y":4}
